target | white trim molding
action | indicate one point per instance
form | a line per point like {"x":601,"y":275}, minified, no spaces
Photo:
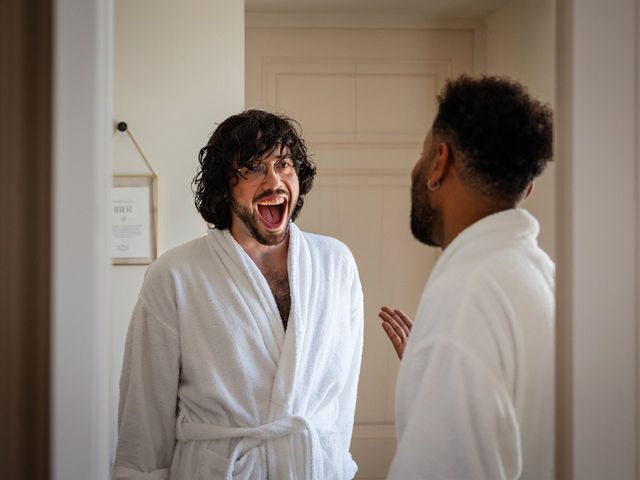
{"x":83,"y":32}
{"x":356,"y":20}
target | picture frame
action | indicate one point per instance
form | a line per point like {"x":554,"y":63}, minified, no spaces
{"x":133,"y":209}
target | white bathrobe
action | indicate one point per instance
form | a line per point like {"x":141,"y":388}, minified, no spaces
{"x":211,"y":385}
{"x":474,"y":397}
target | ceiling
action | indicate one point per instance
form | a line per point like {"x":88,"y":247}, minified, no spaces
{"x":428,"y":8}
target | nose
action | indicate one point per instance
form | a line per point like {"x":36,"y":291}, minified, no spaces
{"x":271,"y":177}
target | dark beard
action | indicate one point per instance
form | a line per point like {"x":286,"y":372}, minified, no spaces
{"x":423,"y":216}
{"x":247,"y":218}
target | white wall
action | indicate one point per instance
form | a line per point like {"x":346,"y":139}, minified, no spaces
{"x":598,"y":271}
{"x":521,"y":45}
{"x":178,"y":70}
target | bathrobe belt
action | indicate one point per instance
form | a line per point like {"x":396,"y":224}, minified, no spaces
{"x":251,"y":437}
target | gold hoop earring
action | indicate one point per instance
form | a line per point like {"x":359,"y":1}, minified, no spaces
{"x":433,"y":188}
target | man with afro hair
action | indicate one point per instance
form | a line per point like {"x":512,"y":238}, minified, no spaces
{"x":474,"y":398}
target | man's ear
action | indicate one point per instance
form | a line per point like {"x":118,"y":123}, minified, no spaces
{"x":441,"y":163}
{"x":529,"y":191}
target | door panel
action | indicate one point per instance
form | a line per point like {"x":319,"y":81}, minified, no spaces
{"x":365,"y":99}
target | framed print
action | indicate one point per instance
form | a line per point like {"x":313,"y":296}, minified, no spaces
{"x":133,"y":219}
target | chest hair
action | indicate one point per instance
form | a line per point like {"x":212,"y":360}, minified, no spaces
{"x":279,"y":284}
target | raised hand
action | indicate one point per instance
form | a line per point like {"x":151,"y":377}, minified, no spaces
{"x":397,"y":325}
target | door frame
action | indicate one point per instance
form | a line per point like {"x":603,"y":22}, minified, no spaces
{"x":82,"y":130}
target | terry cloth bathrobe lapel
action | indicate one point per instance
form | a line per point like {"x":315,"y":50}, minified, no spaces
{"x":284,"y":349}
{"x":281,"y":404}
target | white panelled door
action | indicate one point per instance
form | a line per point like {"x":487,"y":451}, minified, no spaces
{"x":365,"y":98}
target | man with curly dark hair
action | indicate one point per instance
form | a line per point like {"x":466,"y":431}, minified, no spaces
{"x":475,"y":395}
{"x":243,"y":353}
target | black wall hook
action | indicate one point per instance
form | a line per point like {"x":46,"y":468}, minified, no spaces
{"x":123,"y":127}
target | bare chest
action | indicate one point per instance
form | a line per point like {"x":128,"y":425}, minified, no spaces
{"x":279,"y":284}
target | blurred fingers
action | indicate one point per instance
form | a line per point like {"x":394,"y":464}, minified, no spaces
{"x":405,"y":319}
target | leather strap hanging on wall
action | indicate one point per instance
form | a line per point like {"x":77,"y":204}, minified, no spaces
{"x":126,"y":248}
{"x":123,"y":127}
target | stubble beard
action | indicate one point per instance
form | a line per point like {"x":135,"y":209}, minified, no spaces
{"x":246,"y":217}
{"x":423,"y":215}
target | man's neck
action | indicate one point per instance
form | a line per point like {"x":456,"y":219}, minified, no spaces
{"x":468,"y":212}
{"x":266,"y":257}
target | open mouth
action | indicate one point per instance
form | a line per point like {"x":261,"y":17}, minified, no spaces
{"x":272,"y":211}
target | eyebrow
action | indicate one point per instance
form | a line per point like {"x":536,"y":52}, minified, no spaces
{"x":286,"y":156}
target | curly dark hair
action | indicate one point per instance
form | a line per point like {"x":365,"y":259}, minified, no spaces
{"x":238,"y":142}
{"x":503,"y":136}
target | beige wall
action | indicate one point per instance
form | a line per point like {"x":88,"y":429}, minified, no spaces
{"x":178,"y":69}
{"x":599,"y":239}
{"x":521,"y":45}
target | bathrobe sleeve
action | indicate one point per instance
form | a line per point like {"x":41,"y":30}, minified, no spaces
{"x":460,"y":419}
{"x":461,"y":422}
{"x":148,"y":385}
{"x":347,"y":401}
